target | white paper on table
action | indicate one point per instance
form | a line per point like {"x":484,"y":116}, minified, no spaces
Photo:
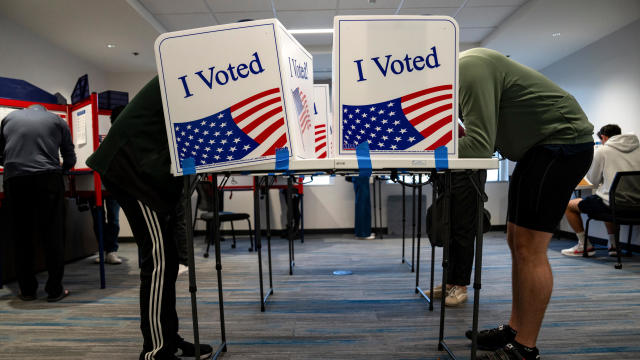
{"x":81,"y":128}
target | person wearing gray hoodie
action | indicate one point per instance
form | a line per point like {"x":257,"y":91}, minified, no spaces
{"x":619,"y":152}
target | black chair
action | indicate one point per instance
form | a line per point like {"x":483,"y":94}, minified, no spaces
{"x":624,"y":202}
{"x":204,"y":212}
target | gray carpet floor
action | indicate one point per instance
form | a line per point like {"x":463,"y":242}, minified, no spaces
{"x":372,"y":314}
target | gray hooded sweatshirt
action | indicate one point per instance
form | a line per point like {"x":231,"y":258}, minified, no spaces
{"x":619,"y":153}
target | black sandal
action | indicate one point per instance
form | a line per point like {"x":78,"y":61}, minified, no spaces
{"x":27,"y":297}
{"x":62,"y":295}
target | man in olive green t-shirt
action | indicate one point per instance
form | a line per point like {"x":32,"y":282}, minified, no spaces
{"x":513,"y":109}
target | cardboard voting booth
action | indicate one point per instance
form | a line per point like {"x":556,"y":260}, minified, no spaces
{"x":323,"y":123}
{"x":234,"y":94}
{"x":395,"y":83}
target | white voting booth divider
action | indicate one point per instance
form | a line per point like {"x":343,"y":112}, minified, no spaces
{"x":395,"y":81}
{"x":323,"y":123}
{"x":233,"y":94}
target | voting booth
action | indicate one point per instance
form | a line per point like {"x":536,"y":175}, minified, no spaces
{"x":395,"y":81}
{"x":235,"y":94}
{"x":323,"y":123}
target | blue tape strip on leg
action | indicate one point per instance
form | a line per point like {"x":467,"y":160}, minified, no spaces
{"x":188,"y":166}
{"x":364,"y":159}
{"x":282,"y":159}
{"x":442,"y":158}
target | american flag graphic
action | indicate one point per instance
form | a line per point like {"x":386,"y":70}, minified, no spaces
{"x":252,"y":128}
{"x":321,"y":141}
{"x":302,"y":108}
{"x":419,"y":121}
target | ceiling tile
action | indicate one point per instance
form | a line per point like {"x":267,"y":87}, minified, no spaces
{"x":448,"y":11}
{"x":186,"y":21}
{"x":364,"y":4}
{"x":312,"y":19}
{"x":315,"y":40}
{"x":231,"y":17}
{"x":239,"y":5}
{"x":288,"y":5}
{"x":434,"y":3}
{"x":484,"y":16}
{"x":175,"y":7}
{"x":367,"y":12}
{"x":474,"y":34}
{"x":474,"y":3}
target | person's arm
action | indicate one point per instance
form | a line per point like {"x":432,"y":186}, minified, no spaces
{"x":67,"y":148}
{"x":479,"y":104}
{"x":595,"y":174}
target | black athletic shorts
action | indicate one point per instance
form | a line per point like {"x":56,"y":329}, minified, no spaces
{"x":593,"y":204}
{"x":542,"y":183}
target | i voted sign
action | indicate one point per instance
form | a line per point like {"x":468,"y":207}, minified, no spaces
{"x":233,"y":94}
{"x":395,"y":84}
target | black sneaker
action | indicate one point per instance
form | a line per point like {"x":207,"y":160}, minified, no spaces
{"x":511,"y":351}
{"x":187,"y":349}
{"x":493,"y":339}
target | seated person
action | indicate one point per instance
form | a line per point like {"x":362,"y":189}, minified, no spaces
{"x":619,"y":152}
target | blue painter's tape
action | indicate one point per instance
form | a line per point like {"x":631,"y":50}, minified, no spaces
{"x":442,"y":158}
{"x":364,"y":159}
{"x":188,"y":166}
{"x":282,"y":159}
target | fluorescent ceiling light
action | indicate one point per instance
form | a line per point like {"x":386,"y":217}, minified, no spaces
{"x":311,"y":31}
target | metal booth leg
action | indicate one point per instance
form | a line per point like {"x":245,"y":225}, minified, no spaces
{"x":258,"y":239}
{"x":290,"y":223}
{"x":268,"y":212}
{"x":413,"y":224}
{"x":419,"y":235}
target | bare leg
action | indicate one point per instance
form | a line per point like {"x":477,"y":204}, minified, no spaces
{"x":533,"y":281}
{"x":611,"y":228}
{"x":573,"y":216}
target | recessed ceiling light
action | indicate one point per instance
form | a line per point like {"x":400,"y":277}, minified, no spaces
{"x":111,"y":46}
{"x":556,"y":35}
{"x":311,"y":31}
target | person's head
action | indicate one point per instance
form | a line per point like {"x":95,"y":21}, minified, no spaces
{"x":608,"y":131}
{"x":115,"y":112}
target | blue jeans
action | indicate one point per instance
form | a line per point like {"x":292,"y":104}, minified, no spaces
{"x":363,"y":206}
{"x":110,"y":225}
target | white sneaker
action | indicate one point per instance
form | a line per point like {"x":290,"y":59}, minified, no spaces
{"x":437,"y":292}
{"x":456,"y":296}
{"x":370,"y":237}
{"x":578,"y":249}
{"x":112,"y":258}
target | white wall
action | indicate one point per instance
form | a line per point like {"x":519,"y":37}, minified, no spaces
{"x":332,"y":207}
{"x":605,"y":78}
{"x":29,"y":57}
{"x":129,"y":82}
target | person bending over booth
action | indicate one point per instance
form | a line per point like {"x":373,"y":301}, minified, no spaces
{"x":517,"y":111}
{"x":133,"y":161}
{"x":619,"y":152}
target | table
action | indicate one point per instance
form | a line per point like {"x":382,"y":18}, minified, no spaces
{"x":342,"y":167}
